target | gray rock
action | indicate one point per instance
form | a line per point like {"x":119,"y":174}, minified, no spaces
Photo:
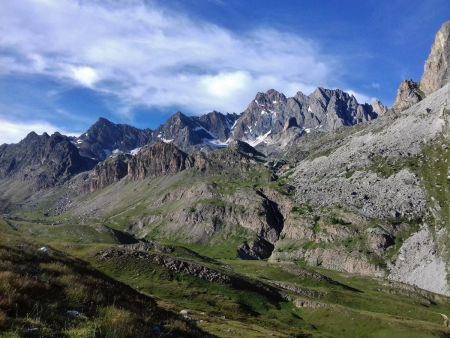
{"x":113,"y":169}
{"x":419,"y":262}
{"x":157,"y":160}
{"x":379,"y":108}
{"x":347,"y":175}
{"x":259,"y":249}
{"x":436,"y":73}
{"x":325,"y":109}
{"x":408,"y":94}
{"x":104,"y":137}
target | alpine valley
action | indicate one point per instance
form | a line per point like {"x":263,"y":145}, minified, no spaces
{"x":304,"y":216}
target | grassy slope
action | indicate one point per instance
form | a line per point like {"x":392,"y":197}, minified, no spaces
{"x":37,"y":289}
{"x":375,"y":310}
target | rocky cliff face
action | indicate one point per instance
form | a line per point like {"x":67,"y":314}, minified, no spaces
{"x":105,"y":137}
{"x":325,"y":109}
{"x":436,"y":73}
{"x":42,"y":160}
{"x":379,"y":108}
{"x":113,"y":169}
{"x":156,"y":160}
{"x":218,"y":124}
{"x":408,"y":94}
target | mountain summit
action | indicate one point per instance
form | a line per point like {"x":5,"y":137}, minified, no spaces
{"x":436,"y":73}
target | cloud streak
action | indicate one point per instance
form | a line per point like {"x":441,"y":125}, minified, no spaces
{"x":147,"y":56}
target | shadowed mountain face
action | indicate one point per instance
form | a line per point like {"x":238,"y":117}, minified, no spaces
{"x":105,"y":137}
{"x":208,"y":131}
{"x":42,"y":160}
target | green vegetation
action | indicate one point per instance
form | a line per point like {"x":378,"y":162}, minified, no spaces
{"x":386,"y":168}
{"x":434,"y":172}
{"x":255,"y":178}
{"x":257,"y":306}
{"x":48,"y":294}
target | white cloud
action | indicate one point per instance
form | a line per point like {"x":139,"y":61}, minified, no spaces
{"x":226,"y":85}
{"x":86,"y":76}
{"x":361,"y":98}
{"x":13,"y":132}
{"x":147,"y":56}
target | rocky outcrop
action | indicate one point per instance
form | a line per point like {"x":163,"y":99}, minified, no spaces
{"x":379,"y":108}
{"x":42,"y":160}
{"x":379,"y":240}
{"x":258,"y":249}
{"x":419,"y":262}
{"x":436,"y":73}
{"x":104,"y":137}
{"x":156,"y":160}
{"x":175,"y":265}
{"x":408,"y":94}
{"x":333,"y":259}
{"x":113,"y":169}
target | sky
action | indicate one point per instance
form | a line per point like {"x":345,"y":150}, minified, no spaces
{"x":65,"y":63}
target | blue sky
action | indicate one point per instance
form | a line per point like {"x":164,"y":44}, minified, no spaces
{"x":64,"y":63}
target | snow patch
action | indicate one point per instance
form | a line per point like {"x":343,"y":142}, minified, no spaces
{"x":135,"y":151}
{"x":309,"y":109}
{"x":216,"y":143}
{"x":165,"y":140}
{"x":199,"y":128}
{"x":259,"y":139}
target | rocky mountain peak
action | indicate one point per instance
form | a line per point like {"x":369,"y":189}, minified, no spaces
{"x":269,"y":98}
{"x":324,"y":109}
{"x":42,"y":160}
{"x":33,"y":136}
{"x":379,"y":108}
{"x":436,"y":73}
{"x":218,"y":124}
{"x":180,"y":119}
{"x":104,"y":137}
{"x":408,"y":94}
